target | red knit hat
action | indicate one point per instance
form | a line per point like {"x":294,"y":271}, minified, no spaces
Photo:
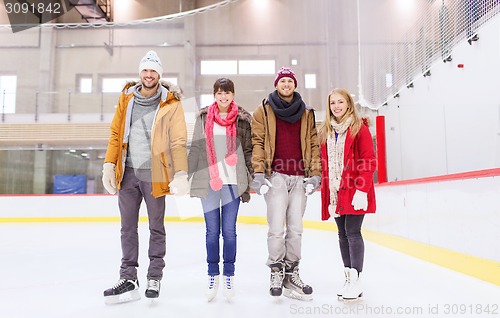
{"x":285,"y":72}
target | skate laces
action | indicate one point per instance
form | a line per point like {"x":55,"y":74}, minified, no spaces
{"x":276,"y":279}
{"x":153,"y":284}
{"x":228,"y":282}
{"x":125,"y":284}
{"x":119,"y":283}
{"x":347,"y":278}
{"x":296,"y":278}
{"x":211,"y":282}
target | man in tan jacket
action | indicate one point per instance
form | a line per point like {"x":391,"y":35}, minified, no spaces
{"x":146,"y":159}
{"x":287,"y":168}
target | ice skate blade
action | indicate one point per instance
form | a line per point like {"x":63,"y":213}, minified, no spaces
{"x":211,"y":293}
{"x":229,"y":296}
{"x":122,"y":298}
{"x":210,"y":298}
{"x":277,"y":300}
{"x":152,"y":297}
{"x":353,"y":300}
{"x":295,"y":295}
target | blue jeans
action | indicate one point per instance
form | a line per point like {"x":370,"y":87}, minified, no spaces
{"x":221,"y":208}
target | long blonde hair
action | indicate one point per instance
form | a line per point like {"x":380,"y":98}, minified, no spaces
{"x":326,"y":128}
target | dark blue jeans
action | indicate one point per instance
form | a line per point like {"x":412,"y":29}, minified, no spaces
{"x":352,"y":246}
{"x":220,"y":210}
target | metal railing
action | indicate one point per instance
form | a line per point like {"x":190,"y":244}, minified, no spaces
{"x":387,"y":67}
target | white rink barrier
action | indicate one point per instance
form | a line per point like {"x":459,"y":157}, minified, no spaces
{"x":461,"y":214}
{"x":452,"y":221}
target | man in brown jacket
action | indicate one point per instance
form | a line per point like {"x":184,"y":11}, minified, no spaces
{"x":287,"y":168}
{"x":146,"y":159}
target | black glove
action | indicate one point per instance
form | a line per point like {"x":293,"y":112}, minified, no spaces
{"x":245,"y":197}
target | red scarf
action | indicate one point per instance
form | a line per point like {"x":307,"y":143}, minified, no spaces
{"x":231,"y":157}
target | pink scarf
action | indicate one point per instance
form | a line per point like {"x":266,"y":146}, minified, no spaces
{"x":231,"y":157}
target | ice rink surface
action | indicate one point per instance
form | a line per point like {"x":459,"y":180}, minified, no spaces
{"x":60,"y":270}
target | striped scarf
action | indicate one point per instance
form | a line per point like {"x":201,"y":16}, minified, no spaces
{"x":335,"y":147}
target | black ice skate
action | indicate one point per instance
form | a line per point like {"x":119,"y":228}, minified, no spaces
{"x":294,"y":287}
{"x":276,"y":284}
{"x":124,"y":290}
{"x":153,"y":289}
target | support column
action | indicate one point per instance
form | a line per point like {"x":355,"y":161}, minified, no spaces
{"x":190,"y":70}
{"x":46,"y":71}
{"x":40,"y":172}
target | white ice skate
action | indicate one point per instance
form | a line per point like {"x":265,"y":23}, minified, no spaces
{"x":355,"y":290}
{"x":213,"y":285}
{"x":341,"y":292}
{"x":228,"y":282}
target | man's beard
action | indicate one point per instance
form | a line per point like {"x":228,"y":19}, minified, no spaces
{"x":290,"y":94}
{"x":146,"y":85}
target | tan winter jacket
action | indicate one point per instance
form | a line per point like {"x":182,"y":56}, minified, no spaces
{"x":168,"y":137}
{"x":264,"y":137}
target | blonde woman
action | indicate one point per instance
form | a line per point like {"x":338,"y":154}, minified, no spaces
{"x":347,"y":190}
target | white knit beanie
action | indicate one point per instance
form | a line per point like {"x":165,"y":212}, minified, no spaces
{"x":151,"y":61}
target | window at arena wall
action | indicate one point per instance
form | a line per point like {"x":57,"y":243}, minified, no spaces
{"x":115,"y":84}
{"x":238,"y":67}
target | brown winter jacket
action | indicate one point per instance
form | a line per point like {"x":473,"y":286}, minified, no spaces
{"x":264,"y":137}
{"x":168,"y":137}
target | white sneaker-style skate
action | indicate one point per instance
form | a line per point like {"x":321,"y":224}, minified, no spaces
{"x":341,"y":292}
{"x":355,"y":289}
{"x":228,"y":282}
{"x":153,"y":289}
{"x":124,"y":290}
{"x":294,"y":287}
{"x":213,"y":285}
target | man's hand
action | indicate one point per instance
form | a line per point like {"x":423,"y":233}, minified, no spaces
{"x":109,"y":177}
{"x":180,"y":185}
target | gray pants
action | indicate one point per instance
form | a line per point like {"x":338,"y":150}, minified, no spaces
{"x":134,"y":187}
{"x":286,"y":203}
